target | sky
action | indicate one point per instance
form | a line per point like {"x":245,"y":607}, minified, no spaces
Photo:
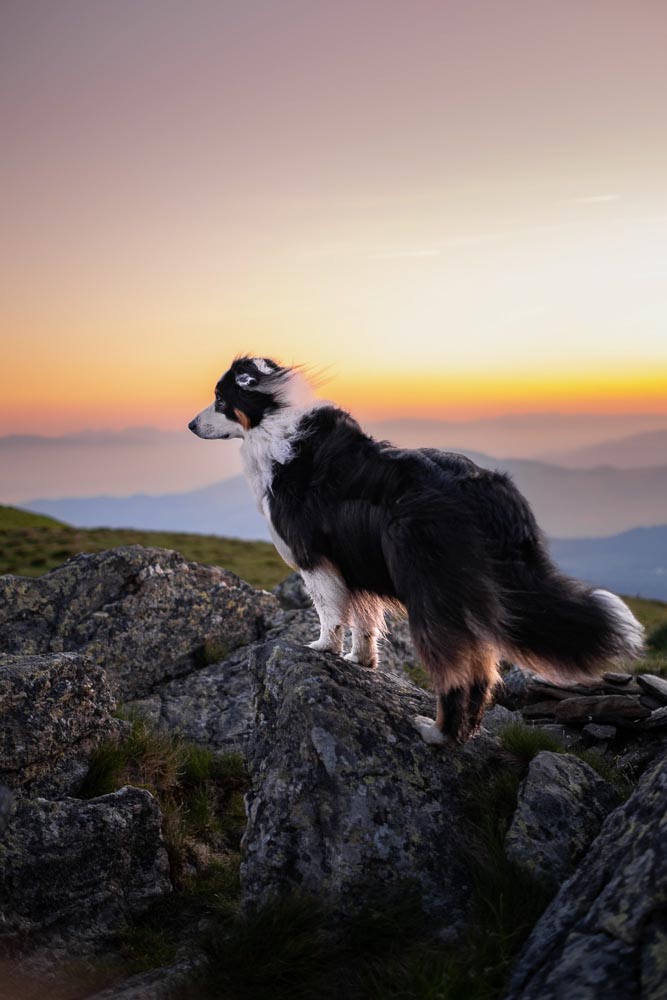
{"x":447,"y":209}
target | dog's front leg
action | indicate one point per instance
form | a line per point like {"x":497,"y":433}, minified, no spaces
{"x":331,"y":599}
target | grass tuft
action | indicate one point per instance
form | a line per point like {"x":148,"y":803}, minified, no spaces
{"x":522,"y":743}
{"x":200,"y":793}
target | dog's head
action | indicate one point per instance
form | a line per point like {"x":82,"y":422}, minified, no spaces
{"x":252,"y":389}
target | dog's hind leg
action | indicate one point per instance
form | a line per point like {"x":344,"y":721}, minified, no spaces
{"x":332,"y":600}
{"x":463,"y":690}
{"x":367,"y":627}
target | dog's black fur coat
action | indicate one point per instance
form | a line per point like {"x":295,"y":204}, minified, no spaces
{"x":456,"y":544}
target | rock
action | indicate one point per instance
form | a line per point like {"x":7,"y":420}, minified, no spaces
{"x":617,"y":678}
{"x":144,"y":615}
{"x":561,"y":806}
{"x":598,"y":732}
{"x":645,"y":747}
{"x":54,"y":710}
{"x":648,"y":701}
{"x":540,"y":710}
{"x":213,"y":706}
{"x":292,"y":593}
{"x":498,"y":717}
{"x":78,"y":869}
{"x":345,"y":795}
{"x":512,"y":692}
{"x":613,"y":709}
{"x":656,"y":719}
{"x":654,"y":686}
{"x":540,"y":688}
{"x":603,"y":936}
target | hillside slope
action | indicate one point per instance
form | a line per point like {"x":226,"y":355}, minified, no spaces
{"x":31,"y":544}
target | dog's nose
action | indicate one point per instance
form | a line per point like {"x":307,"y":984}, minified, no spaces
{"x":192,"y":425}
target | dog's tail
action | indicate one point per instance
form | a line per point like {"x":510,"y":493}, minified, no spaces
{"x":567,"y":631}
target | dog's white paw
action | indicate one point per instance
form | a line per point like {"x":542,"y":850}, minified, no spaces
{"x":428,"y":730}
{"x":325,"y":646}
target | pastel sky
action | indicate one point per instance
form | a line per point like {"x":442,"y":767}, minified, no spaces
{"x":452,"y":208}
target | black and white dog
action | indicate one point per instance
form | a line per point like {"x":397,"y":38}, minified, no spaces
{"x":372,"y":528}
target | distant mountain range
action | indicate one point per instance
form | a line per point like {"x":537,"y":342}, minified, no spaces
{"x":147,"y":460}
{"x":567,"y":502}
{"x":632,"y":563}
{"x":225,"y":508}
{"x":633,"y":452}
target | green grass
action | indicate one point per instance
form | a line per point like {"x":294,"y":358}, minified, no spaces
{"x":200,"y":793}
{"x":201,"y":798}
{"x":653,"y":616}
{"x":31,"y":544}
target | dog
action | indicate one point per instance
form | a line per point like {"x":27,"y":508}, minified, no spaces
{"x":373,"y":528}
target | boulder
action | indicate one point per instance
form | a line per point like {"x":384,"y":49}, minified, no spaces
{"x":292,"y":593}
{"x":54,"y":710}
{"x":605,"y":934}
{"x":611,"y":709}
{"x":345,"y":796}
{"x":145,"y":615}
{"x":655,"y":686}
{"x":561,"y":806}
{"x":76,"y":870}
{"x":213,"y":706}
{"x":513,"y":691}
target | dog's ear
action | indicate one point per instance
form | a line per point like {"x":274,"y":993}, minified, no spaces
{"x":245,"y":381}
{"x":243,"y":419}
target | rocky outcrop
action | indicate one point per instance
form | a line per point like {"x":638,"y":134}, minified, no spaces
{"x":561,"y":806}
{"x":633,"y":702}
{"x":75,"y":870}
{"x":346,"y":797}
{"x":143,"y":615}
{"x":54,"y":710}
{"x":605,"y":934}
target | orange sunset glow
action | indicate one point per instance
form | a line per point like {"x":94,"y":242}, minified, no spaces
{"x":450,"y":211}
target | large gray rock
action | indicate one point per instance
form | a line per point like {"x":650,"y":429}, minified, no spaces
{"x":345,"y":795}
{"x":144,"y":615}
{"x":561,"y":806}
{"x":604,"y":936}
{"x":78,"y":869}
{"x":213,"y":706}
{"x":54,"y":710}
